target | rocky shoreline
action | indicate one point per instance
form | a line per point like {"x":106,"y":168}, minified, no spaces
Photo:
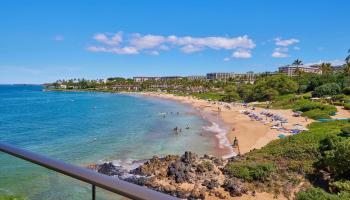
{"x":188,"y":176}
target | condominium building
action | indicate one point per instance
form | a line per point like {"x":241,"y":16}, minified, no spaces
{"x":249,"y":76}
{"x":196,"y":78}
{"x":141,"y":79}
{"x":291,"y":70}
{"x":167,"y":78}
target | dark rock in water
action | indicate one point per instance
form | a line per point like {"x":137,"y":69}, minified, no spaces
{"x":234,"y":187}
{"x":189,"y":157}
{"x":110,"y":170}
{"x":211,"y":184}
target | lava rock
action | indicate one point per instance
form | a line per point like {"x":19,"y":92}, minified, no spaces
{"x":211,"y":184}
{"x":110,"y":170}
{"x":234,"y":187}
{"x":189,"y":157}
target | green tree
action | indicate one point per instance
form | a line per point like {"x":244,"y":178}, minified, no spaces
{"x":327,"y":89}
{"x":326,"y":68}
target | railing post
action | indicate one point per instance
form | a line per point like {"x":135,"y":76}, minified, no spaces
{"x":93,"y":192}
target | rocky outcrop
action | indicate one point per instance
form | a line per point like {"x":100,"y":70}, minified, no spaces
{"x":188,"y":176}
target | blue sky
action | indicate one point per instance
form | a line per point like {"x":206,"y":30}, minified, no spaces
{"x":42,"y":41}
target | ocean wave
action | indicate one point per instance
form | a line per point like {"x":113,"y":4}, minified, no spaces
{"x":221,"y":134}
{"x":128,"y":164}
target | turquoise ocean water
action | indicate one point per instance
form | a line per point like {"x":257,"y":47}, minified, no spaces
{"x":85,"y":127}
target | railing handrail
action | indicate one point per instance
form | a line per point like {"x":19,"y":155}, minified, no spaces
{"x":109,"y":183}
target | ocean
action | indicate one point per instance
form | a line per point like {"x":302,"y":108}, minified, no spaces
{"x":83,"y":128}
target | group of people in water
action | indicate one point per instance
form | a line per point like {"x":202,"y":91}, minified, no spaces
{"x":179,"y":130}
{"x":176,"y":130}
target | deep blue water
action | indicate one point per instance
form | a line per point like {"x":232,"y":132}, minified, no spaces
{"x":83,"y":128}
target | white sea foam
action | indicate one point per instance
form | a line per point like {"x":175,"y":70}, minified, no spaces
{"x":128,"y":164}
{"x":221,"y":134}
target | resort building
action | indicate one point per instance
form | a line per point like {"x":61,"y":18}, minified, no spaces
{"x":191,"y":78}
{"x":141,"y":79}
{"x":167,"y":78}
{"x":291,"y":70}
{"x":248,"y":77}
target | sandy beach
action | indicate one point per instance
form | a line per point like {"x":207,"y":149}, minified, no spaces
{"x":251,"y":134}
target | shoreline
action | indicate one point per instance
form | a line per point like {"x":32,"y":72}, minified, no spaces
{"x":215,"y":122}
{"x":250,"y":134}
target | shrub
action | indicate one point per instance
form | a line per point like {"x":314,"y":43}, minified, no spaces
{"x":316,"y":114}
{"x":346,"y":91}
{"x":340,"y":186}
{"x":345,"y":131}
{"x":319,"y":194}
{"x":338,"y":159}
{"x":327,"y":89}
{"x":347,"y":106}
{"x":250,"y":171}
{"x":314,"y":110}
{"x":208,"y":165}
{"x":239,"y":171}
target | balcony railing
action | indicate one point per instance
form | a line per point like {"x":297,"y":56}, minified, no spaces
{"x":111,"y":184}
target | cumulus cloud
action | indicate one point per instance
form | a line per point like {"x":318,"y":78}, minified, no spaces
{"x":281,"y":51}
{"x":277,"y":54}
{"x":109,"y":39}
{"x":286,"y":42}
{"x":114,"y":50}
{"x":241,"y":53}
{"x":136,"y":43}
{"x":147,"y":41}
{"x":191,"y":48}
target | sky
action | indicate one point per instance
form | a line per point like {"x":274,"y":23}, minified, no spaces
{"x":43,"y":41}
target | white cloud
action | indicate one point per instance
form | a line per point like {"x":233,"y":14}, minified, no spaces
{"x":214,"y":42}
{"x":191,"y":49}
{"x":147,"y":41}
{"x":115,"y":50}
{"x":137,"y":43}
{"x":113,"y":40}
{"x":278,"y":54}
{"x":58,"y":38}
{"x":281,"y":49}
{"x":241,"y":53}
{"x":297,"y":48}
{"x":287,"y":42}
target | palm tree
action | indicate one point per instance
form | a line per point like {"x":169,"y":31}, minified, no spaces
{"x":326,"y":68}
{"x":347,"y":59}
{"x":297,"y":63}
